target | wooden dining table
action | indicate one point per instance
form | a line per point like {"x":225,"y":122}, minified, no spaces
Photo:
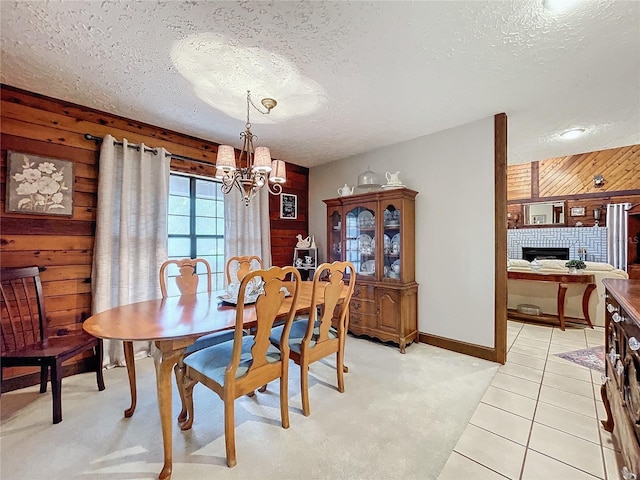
{"x":174,"y":323}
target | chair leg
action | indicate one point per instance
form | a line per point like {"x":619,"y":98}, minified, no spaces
{"x":340,"y":369}
{"x":56,"y":391}
{"x":178,"y":369}
{"x":284,"y":395}
{"x":229,"y":429}
{"x":187,"y":392}
{"x":131,"y":371}
{"x":304,"y":387}
{"x":99,"y":355}
{"x":44,"y":374}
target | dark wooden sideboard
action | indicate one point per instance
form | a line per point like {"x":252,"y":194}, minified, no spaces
{"x":621,"y":387}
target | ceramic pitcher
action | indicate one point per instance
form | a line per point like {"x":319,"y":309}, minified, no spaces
{"x":393,"y":178}
{"x":346,"y":190}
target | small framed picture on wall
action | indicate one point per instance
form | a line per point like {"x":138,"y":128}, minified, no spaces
{"x":577,"y":211}
{"x":288,"y":206}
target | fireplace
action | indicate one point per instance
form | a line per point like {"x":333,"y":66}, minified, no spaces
{"x":545,"y":253}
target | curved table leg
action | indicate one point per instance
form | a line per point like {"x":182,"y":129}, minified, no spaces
{"x":164,"y":359}
{"x":562,"y":291}
{"x":585,"y":302}
{"x":131,"y":372}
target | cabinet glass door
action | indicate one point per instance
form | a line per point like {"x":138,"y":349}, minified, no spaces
{"x":360,"y":244}
{"x":392,"y":226}
{"x":335,"y":237}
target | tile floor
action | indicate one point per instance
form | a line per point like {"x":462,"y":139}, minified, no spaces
{"x":540,"y":417}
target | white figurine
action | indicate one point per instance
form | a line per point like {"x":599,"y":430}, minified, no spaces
{"x":303,"y":242}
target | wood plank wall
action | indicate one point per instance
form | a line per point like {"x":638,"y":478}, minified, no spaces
{"x":570,"y":178}
{"x":43,"y":126}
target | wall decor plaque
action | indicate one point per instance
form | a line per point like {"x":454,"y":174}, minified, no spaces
{"x":39,"y":185}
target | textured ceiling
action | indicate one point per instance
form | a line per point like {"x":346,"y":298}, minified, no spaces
{"x":349,"y":77}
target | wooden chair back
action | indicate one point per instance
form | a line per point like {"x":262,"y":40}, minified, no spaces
{"x":22,"y":309}
{"x":237,"y":267}
{"x":188,"y":276}
{"x":237,"y":368}
{"x":328,"y":283}
{"x":322,"y":332}
{"x":25,"y":337}
{"x":267,"y":305}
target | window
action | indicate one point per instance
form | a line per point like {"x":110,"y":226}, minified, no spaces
{"x":196,"y":224}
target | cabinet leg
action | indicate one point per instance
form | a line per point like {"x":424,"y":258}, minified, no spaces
{"x":608,"y":423}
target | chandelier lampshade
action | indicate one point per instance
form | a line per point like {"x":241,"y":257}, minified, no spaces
{"x":278,"y":172}
{"x":254,"y":168}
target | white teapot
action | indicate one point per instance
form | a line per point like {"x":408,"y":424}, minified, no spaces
{"x":345,"y":191}
{"x":393,"y":178}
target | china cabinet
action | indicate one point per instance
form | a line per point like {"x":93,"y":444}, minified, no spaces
{"x":621,"y":382}
{"x":376,"y":232}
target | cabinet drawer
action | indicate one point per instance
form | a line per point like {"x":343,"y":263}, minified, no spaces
{"x":359,"y":306}
{"x":358,"y":321}
{"x":364,"y":292}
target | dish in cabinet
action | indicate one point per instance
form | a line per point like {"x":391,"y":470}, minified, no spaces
{"x":368,"y":267}
{"x":366,"y":220}
{"x":365,"y":243}
{"x":395,"y":244}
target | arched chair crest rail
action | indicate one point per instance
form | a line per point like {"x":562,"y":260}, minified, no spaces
{"x":237,"y":267}
{"x":25,"y":334}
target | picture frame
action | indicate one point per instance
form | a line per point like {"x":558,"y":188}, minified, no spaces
{"x":577,"y":211}
{"x":38,"y":185}
{"x":288,"y":206}
{"x":539,"y":219}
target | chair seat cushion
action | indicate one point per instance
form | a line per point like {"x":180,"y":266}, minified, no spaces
{"x":209,"y":340}
{"x":296,"y":335}
{"x":212,"y":361}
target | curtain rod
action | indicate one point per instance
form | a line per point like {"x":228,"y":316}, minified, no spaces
{"x":88,"y":136}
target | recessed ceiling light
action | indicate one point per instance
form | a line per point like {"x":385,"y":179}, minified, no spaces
{"x":572,"y":133}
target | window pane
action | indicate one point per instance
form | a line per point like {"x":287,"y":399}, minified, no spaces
{"x":206,"y":226}
{"x":178,"y":224}
{"x":205,"y":207}
{"x":179,"y":205}
{"x":179,"y":247}
{"x":206,"y":246}
{"x":206,"y":189}
{"x":179,"y":185}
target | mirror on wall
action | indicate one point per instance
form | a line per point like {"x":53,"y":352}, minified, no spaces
{"x":545,"y":213}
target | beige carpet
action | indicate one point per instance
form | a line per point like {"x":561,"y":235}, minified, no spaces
{"x":400,"y":417}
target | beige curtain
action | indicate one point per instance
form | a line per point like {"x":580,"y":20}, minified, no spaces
{"x":247,"y":229}
{"x":131,"y":232}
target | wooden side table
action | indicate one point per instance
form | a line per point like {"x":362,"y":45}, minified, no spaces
{"x":562,"y":279}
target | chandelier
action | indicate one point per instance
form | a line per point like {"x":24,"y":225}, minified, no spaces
{"x":254,"y":168}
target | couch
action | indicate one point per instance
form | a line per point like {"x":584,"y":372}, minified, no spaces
{"x":544,"y":294}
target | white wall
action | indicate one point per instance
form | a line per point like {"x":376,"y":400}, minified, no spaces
{"x":453,"y":171}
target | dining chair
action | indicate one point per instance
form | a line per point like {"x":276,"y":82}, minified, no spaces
{"x":187,"y":282}
{"x":239,"y":366}
{"x":26,"y":339}
{"x":237,"y":267}
{"x":322,"y":332}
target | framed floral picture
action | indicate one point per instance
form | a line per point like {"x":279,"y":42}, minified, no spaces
{"x":39,"y":185}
